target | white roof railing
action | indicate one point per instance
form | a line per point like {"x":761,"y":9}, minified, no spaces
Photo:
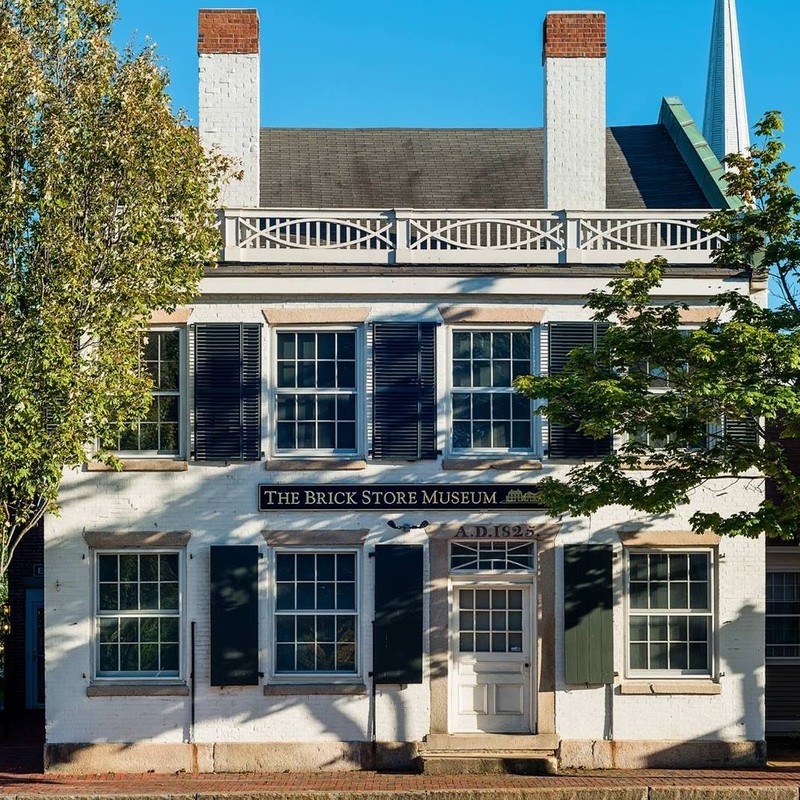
{"x":402,"y":236}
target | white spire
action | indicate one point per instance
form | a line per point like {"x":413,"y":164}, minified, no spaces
{"x":725,"y":125}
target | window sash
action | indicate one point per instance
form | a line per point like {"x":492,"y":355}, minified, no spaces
{"x":315,"y":633}
{"x":305,"y":415}
{"x":484,"y":412}
{"x":159,"y":424}
{"x":780,"y":651}
{"x":667,"y":629}
{"x":168,"y":624}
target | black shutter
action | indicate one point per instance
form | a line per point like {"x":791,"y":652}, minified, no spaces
{"x":404,"y":391}
{"x":234,"y":615}
{"x":743,"y":431}
{"x":397,"y":633}
{"x":227,"y":392}
{"x":588,"y":614}
{"x":565,"y":440}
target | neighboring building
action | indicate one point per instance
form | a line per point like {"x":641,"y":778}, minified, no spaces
{"x":325,"y":549}
{"x":24,"y":656}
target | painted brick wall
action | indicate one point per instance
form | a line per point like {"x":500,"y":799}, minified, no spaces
{"x":575,"y":143}
{"x":218,"y":504}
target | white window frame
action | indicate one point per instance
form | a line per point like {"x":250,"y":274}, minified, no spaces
{"x":97,"y":615}
{"x":535,"y":450}
{"x":780,"y":659}
{"x":359,"y":390}
{"x":181,"y":394}
{"x":711,"y":614}
{"x":315,"y":677}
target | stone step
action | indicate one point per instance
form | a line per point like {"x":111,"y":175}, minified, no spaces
{"x":503,"y":742}
{"x":488,"y":763}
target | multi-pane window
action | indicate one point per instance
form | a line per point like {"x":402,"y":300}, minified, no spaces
{"x":316,"y":615}
{"x":783,"y":615}
{"x":159,"y":432}
{"x":487,"y":413}
{"x":490,"y":620}
{"x":316,"y":391}
{"x":670,"y":612}
{"x":138,"y":615}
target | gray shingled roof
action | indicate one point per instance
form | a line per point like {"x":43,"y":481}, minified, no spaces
{"x":457,"y":168}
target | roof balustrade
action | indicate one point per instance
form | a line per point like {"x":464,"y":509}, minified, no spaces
{"x":399,"y":236}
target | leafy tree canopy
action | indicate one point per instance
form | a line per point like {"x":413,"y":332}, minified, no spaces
{"x":106,"y":214}
{"x":690,"y":405}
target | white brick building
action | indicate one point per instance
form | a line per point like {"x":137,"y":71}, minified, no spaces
{"x":324,"y":550}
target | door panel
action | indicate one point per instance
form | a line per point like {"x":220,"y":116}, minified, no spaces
{"x":34,"y":648}
{"x":491,"y":676}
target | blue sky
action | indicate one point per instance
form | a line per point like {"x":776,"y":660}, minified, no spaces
{"x":464,"y":63}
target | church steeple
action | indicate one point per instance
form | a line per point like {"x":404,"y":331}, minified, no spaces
{"x":725,"y":124}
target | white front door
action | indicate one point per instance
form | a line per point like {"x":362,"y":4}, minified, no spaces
{"x":491,"y":659}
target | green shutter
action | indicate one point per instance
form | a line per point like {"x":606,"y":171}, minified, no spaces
{"x":588,"y":614}
{"x":234,"y":615}
{"x":397,"y":632}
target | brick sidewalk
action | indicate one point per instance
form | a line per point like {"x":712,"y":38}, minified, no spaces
{"x":774,"y":784}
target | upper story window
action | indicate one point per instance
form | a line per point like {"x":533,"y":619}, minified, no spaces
{"x":316,"y":391}
{"x":160,"y":432}
{"x":783,"y":614}
{"x":670,"y":613}
{"x":138,"y":618}
{"x":487,"y":413}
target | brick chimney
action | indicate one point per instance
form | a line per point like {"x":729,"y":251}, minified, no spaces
{"x":575,"y":110}
{"x":228,"y":52}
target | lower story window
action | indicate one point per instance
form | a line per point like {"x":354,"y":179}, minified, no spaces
{"x":783,"y":615}
{"x":138,"y":623}
{"x":670,"y":613}
{"x":316,"y":616}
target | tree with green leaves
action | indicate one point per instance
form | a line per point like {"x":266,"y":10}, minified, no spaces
{"x":107,"y":213}
{"x":690,"y":406}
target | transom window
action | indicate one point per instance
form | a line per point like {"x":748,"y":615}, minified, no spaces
{"x":490,"y":620}
{"x":669,"y":612}
{"x":159,"y":432}
{"x":783,"y":615}
{"x":491,"y":556}
{"x":138,"y":614}
{"x":316,"y":616}
{"x":487,"y":413}
{"x":316,"y":391}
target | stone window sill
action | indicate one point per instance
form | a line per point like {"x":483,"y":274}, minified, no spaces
{"x":318,"y":464}
{"x":693,"y":687}
{"x":507,"y":464}
{"x":137,"y":690}
{"x":141,"y":465}
{"x":292,"y":689}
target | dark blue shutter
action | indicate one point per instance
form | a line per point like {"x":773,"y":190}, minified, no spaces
{"x":227,"y":392}
{"x":404,"y":391}
{"x":565,"y":440}
{"x":397,"y":633}
{"x":234,"y":615}
{"x":588,"y":614}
